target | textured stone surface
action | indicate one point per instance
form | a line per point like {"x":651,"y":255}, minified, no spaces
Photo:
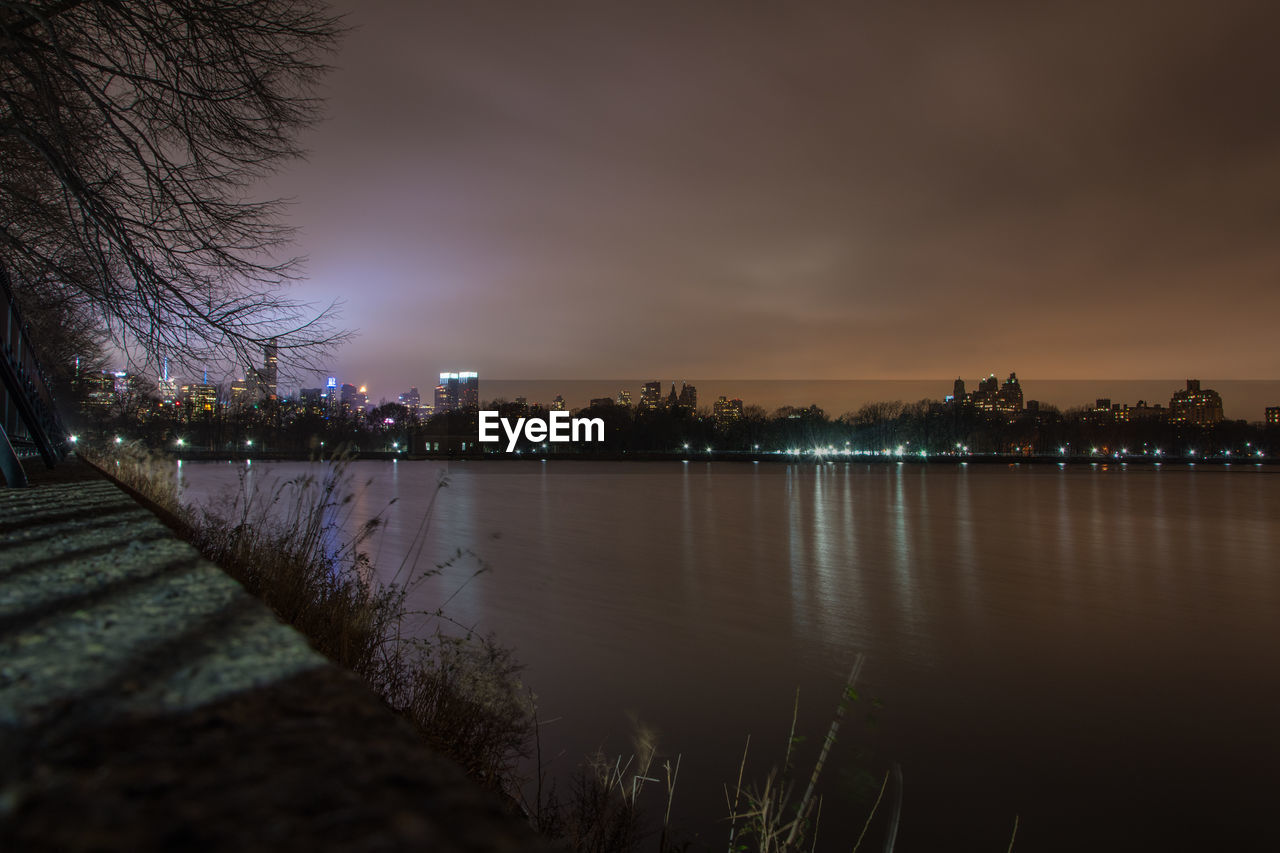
{"x":148,"y":703}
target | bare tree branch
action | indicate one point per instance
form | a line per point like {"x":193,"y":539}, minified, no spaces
{"x":132,"y":136}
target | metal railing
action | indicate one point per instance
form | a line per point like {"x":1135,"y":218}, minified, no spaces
{"x":29,"y":422}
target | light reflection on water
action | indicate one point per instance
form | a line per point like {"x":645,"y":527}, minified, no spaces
{"x":1090,"y":648}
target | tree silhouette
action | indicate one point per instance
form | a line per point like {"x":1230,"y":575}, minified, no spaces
{"x":131,"y":137}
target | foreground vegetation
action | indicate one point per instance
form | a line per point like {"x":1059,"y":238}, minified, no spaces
{"x":462,"y":691}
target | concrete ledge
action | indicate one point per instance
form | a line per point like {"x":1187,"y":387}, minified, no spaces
{"x":147,"y":702}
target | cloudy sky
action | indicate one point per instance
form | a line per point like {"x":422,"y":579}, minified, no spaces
{"x":771,"y":190}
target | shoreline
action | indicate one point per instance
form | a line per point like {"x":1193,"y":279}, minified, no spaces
{"x":744,"y":457}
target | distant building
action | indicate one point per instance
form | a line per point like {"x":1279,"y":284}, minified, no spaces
{"x":352,"y":400}
{"x":727,"y":411}
{"x":106,"y":389}
{"x":598,"y":402}
{"x":1101,"y":411}
{"x":1146,"y":412}
{"x":1273,"y":416}
{"x":990,"y":395}
{"x":199,"y":401}
{"x":458,"y":391}
{"x":558,"y":404}
{"x":331,"y":395}
{"x":311,"y":399}
{"x":1009,"y":397}
{"x":166,"y":387}
{"x":651,"y":397}
{"x":688,"y":399}
{"x":624,"y":398}
{"x":1200,"y":407}
{"x":412,"y":400}
{"x":270,"y":373}
{"x":243,"y":394}
{"x":984,"y":398}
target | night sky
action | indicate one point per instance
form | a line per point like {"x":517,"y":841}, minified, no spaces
{"x":763,"y":191}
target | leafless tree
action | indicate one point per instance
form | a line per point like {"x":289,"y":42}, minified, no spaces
{"x":133,"y":134}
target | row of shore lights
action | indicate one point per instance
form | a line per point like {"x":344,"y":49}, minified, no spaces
{"x":820,"y":451}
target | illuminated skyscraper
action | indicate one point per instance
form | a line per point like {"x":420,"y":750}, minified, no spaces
{"x":167,"y":388}
{"x":270,"y":370}
{"x":469,"y":390}
{"x":458,"y":391}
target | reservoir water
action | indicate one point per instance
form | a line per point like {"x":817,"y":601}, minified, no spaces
{"x":1094,"y":649}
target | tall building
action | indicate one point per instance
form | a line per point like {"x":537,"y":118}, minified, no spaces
{"x":1009,"y":398}
{"x":352,"y":400}
{"x":312,"y":399}
{"x":991,"y":395}
{"x":1273,"y":415}
{"x":558,"y":404}
{"x":651,"y":397}
{"x":200,"y":401}
{"x":262,"y":381}
{"x":624,"y":398}
{"x":1195,"y":406}
{"x":270,"y":370}
{"x":458,"y":391}
{"x":166,"y":387}
{"x":688,"y":399}
{"x":105,"y":389}
{"x":727,"y":411}
{"x":331,"y":395}
{"x":985,"y":397}
{"x":469,"y":390}
{"x":244,"y":393}
{"x":411,"y":400}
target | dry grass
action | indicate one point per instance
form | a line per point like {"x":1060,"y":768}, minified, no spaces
{"x":287,"y":546}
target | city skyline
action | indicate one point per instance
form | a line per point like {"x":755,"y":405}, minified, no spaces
{"x":1247,"y":400}
{"x":827,"y":192}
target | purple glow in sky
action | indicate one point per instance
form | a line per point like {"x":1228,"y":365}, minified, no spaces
{"x":828,"y":191}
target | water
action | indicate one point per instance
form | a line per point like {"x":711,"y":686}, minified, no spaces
{"x":1093,"y":649}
